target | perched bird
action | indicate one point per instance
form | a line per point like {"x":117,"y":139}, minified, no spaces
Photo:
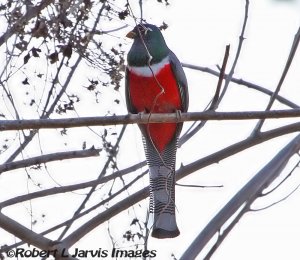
{"x":156,"y":83}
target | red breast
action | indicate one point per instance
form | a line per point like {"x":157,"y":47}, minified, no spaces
{"x":147,"y":95}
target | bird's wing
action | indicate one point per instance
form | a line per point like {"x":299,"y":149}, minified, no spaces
{"x":181,"y":79}
{"x":129,"y":104}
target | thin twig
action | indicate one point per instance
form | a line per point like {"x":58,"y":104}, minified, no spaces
{"x":277,"y":202}
{"x":182,"y":172}
{"x":242,"y":82}
{"x":98,"y":32}
{"x":281,"y":80}
{"x":280,"y":183}
{"x":49,"y":158}
{"x":185,"y":171}
{"x":238,"y":52}
{"x":83,"y":213}
{"x":47,"y":113}
{"x":31,"y":13}
{"x":199,"y":186}
{"x":93,"y":188}
{"x":247,"y":194}
{"x":227,"y":78}
{"x":69,"y":188}
{"x":215,"y":99}
{"x":226,"y":231}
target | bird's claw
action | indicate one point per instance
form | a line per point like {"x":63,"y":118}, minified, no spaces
{"x":178,"y":115}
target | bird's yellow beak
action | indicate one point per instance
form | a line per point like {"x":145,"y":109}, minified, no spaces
{"x":131,"y":35}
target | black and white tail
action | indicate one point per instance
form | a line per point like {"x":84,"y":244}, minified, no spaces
{"x":162,"y":188}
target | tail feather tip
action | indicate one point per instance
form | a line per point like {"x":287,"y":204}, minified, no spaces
{"x":162,"y":233}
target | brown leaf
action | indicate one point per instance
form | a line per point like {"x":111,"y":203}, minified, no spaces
{"x":35,"y":52}
{"x":40,"y":29}
{"x":53,"y":57}
{"x":123,"y":14}
{"x":26,"y":58}
{"x":164,"y":26}
{"x":67,"y":50}
{"x":25,"y":82}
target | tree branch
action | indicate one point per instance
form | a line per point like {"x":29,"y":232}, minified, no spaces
{"x":24,"y":233}
{"x":49,"y":158}
{"x":180,"y":173}
{"x":142,"y":119}
{"x":282,"y":78}
{"x":247,"y":194}
{"x":93,"y":188}
{"x":30,"y":237}
{"x":242,"y":82}
{"x":214,"y":103}
{"x":238,"y":52}
{"x":31,"y":13}
{"x":69,"y":188}
{"x":47,"y":113}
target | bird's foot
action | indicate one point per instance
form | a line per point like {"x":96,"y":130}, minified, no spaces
{"x":178,"y":115}
{"x":142,"y":114}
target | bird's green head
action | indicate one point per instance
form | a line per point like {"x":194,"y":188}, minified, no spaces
{"x":147,"y":39}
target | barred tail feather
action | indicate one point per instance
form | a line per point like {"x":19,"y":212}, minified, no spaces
{"x":162,"y":189}
{"x":162,"y":202}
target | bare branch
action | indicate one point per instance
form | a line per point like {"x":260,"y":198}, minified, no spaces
{"x":222,"y":235}
{"x":31,"y":13}
{"x":278,"y":201}
{"x":282,"y":78}
{"x":93,"y":188}
{"x":180,"y":173}
{"x":199,"y":186}
{"x":24,"y":233}
{"x":49,"y":158}
{"x":281,"y":182}
{"x":142,"y":119}
{"x":47,"y":113}
{"x":109,"y":31}
{"x":238,"y":52}
{"x":247,"y":195}
{"x":214,"y":102}
{"x":243,"y":83}
{"x":73,"y":187}
{"x":83,"y":213}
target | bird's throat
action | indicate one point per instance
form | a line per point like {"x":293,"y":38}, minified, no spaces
{"x":149,"y":71}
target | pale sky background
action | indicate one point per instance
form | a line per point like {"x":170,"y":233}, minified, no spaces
{"x":198,"y":33}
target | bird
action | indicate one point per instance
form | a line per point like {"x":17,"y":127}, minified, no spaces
{"x":156,"y":83}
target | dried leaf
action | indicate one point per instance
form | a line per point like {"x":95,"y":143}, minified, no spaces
{"x":35,"y":52}
{"x":25,"y":82}
{"x":53,"y":57}
{"x":26,"y":58}
{"x":40,"y":29}
{"x":164,"y":26}
{"x":91,"y":87}
{"x":134,"y":221}
{"x":123,"y":14}
{"x":67,"y":50}
{"x":22,"y":45}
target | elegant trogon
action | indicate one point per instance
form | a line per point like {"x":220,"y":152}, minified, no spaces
{"x":156,"y":83}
